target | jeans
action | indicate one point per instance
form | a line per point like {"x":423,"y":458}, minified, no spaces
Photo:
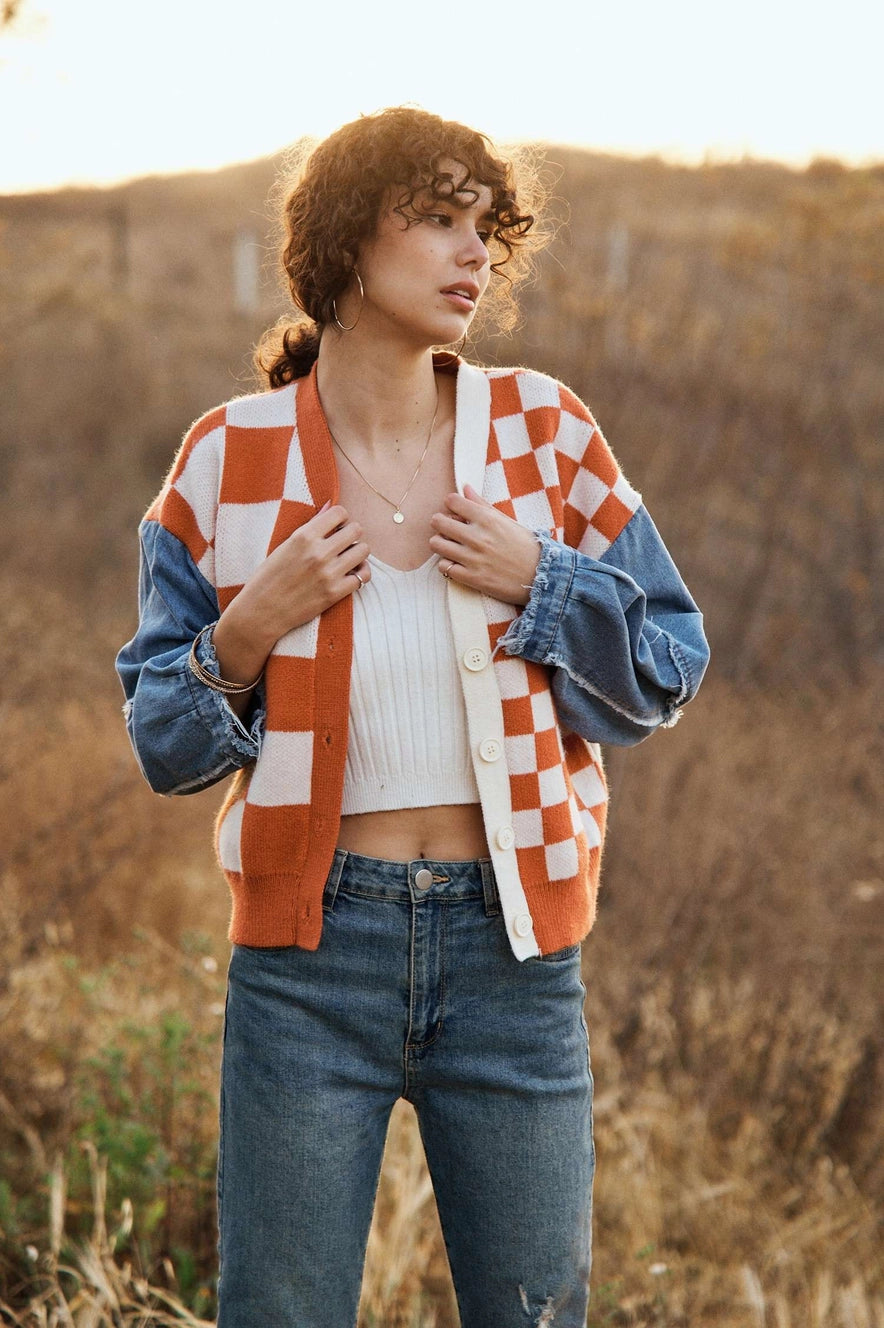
{"x":413,"y":992}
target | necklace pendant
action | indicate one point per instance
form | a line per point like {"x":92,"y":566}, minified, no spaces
{"x":398,"y":517}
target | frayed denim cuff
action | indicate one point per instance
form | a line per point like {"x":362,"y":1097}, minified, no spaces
{"x":531,"y":634}
{"x":215,"y":711}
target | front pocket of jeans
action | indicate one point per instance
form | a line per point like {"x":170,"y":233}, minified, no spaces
{"x":559,"y":956}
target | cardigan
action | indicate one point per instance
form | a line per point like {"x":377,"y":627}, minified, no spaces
{"x":609,"y":647}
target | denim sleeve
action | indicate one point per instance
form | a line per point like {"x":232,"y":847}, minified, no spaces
{"x":185,"y":736}
{"x":622,"y":633}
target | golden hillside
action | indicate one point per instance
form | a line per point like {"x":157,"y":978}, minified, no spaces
{"x":725,"y":325}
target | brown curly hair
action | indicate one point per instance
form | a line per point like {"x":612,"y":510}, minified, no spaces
{"x":333,"y":200}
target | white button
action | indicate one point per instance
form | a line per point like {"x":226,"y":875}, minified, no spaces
{"x":475,"y":659}
{"x":423,"y":879}
{"x":506,"y":836}
{"x":490,"y":749}
{"x":522,"y":924}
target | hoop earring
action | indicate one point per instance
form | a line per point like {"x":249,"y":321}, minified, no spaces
{"x":348,"y":327}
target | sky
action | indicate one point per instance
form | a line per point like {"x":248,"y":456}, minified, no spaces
{"x":96,"y":91}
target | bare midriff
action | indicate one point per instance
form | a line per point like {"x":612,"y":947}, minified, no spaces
{"x":442,"y":834}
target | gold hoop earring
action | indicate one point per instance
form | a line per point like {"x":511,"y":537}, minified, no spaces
{"x":348,"y":327}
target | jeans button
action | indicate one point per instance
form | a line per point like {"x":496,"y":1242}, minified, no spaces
{"x":423,"y":878}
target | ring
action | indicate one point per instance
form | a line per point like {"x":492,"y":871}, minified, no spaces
{"x":450,"y":565}
{"x":358,"y":578}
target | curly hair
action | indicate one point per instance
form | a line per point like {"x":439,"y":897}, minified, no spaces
{"x":333,"y":198}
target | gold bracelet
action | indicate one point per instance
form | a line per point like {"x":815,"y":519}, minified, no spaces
{"x":208,"y":679}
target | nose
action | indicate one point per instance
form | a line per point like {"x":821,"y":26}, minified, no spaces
{"x":475,"y":252}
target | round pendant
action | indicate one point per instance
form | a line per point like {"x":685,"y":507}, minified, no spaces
{"x":398,"y":517}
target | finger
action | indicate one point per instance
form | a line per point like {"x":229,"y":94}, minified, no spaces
{"x":474,"y":496}
{"x":457,"y":553}
{"x":353,"y":557}
{"x":450,"y":527}
{"x":328,"y":518}
{"x":340,"y":539}
{"x":357,"y":578}
{"x":461,"y":507}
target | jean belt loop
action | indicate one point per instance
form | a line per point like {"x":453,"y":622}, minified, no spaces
{"x":489,"y":888}
{"x":334,"y":880}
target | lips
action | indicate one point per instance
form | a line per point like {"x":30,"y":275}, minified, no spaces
{"x":467,"y":291}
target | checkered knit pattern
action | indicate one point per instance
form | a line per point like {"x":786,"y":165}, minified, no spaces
{"x":247,"y":475}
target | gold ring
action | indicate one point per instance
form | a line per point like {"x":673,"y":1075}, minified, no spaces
{"x":450,"y":565}
{"x":358,"y":578}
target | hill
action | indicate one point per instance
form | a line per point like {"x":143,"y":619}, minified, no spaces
{"x":725,"y":324}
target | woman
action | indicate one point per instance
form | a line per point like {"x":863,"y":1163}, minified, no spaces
{"x":404,"y":597}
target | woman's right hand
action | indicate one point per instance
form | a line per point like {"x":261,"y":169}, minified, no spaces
{"x":304,"y":575}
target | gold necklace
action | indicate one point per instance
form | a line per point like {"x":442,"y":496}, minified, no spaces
{"x":398,"y":514}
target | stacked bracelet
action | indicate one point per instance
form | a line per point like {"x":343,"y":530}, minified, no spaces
{"x":209,"y":679}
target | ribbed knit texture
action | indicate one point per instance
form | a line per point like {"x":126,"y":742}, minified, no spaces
{"x":408,"y":743}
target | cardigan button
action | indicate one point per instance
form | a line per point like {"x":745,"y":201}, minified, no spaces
{"x":490,"y":749}
{"x":522,"y":924}
{"x":506,"y":836}
{"x":475,"y":659}
{"x":423,"y":878}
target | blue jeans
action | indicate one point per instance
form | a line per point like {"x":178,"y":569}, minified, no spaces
{"x":414,"y":993}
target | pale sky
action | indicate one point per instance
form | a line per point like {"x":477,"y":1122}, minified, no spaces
{"x":103,"y":90}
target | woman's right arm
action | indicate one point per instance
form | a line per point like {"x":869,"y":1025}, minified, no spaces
{"x":185,"y":735}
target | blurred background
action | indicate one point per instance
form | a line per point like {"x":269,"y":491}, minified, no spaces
{"x":715,"y":292}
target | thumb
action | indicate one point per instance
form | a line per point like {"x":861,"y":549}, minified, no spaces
{"x":473,"y":494}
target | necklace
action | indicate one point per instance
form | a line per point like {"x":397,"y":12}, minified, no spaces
{"x":398,"y":514}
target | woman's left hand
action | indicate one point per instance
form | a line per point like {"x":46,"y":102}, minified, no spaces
{"x":484,"y":549}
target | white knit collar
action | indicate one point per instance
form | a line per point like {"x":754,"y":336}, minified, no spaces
{"x":472,"y":422}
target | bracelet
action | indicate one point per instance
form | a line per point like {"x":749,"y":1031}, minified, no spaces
{"x":209,"y":680}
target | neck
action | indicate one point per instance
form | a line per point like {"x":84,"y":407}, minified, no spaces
{"x":375,"y":395}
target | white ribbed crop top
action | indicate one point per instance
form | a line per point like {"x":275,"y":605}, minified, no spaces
{"x":407,"y":743}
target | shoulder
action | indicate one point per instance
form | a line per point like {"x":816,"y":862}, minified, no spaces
{"x":187,"y":502}
{"x":517,"y":390}
{"x":201,"y":453}
{"x":255,"y":410}
{"x":550,"y":412}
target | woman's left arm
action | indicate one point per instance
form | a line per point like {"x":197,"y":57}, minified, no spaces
{"x":622,"y":633}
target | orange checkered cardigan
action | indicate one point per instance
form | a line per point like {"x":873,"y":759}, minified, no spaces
{"x":247,"y":475}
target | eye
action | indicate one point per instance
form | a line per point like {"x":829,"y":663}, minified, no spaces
{"x":440,"y":218}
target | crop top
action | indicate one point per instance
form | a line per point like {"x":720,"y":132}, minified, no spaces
{"x":407,"y":740}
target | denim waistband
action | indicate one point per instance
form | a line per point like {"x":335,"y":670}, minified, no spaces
{"x":423,"y":879}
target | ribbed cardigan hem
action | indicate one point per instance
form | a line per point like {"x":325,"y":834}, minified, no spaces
{"x":278,"y":909}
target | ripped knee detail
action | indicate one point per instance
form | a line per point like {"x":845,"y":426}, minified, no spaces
{"x":545,"y":1313}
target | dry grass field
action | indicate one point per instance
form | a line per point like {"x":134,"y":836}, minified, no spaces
{"x":724,"y":323}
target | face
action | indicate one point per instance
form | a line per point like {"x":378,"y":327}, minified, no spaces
{"x":424,"y":280}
